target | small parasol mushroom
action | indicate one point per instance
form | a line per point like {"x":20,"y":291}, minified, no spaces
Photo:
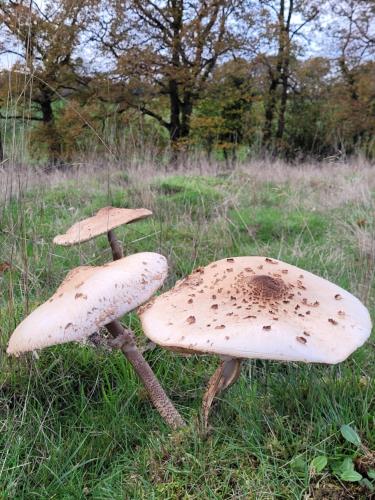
{"x":256,"y":307}
{"x":104,"y":221}
{"x":93,"y":297}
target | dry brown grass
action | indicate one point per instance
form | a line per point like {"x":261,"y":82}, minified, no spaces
{"x":330,"y":184}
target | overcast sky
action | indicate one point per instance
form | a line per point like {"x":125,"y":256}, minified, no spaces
{"x":317,"y":42}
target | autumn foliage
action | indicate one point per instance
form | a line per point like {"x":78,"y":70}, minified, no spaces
{"x":231,"y":78}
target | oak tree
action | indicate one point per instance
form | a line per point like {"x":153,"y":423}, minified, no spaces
{"x":43,"y":38}
{"x":279,"y":25}
{"x":168,"y":49}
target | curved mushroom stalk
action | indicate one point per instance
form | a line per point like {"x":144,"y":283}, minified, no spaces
{"x":117,"y":250}
{"x":92,"y":297}
{"x":124,"y":340}
{"x":225,"y":375}
{"x":258,"y":308}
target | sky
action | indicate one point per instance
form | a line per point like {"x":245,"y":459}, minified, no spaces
{"x":319,"y":42}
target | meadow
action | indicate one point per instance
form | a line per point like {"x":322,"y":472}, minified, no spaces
{"x":75,"y":421}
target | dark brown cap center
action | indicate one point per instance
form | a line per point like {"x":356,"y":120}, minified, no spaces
{"x":267,"y":287}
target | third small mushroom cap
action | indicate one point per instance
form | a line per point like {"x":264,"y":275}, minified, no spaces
{"x":106,"y":219}
{"x":257,"y":307}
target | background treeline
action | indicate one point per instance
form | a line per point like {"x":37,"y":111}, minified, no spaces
{"x":230,"y":78}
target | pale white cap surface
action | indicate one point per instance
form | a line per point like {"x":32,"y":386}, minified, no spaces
{"x":106,"y":218}
{"x":88,"y":298}
{"x":256,"y":307}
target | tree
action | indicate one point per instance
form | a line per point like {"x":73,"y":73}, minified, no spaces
{"x":310,"y":118}
{"x":167,"y":50}
{"x":44,"y":38}
{"x":224,"y":115}
{"x":353,"y":33}
{"x":279,"y":24}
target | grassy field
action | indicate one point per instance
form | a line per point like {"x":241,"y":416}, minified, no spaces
{"x":75,"y":421}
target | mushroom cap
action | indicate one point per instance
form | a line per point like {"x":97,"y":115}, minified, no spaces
{"x":89,"y":298}
{"x":256,"y":307}
{"x":104,"y":220}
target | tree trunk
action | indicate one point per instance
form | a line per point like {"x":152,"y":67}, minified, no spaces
{"x":283,"y":100}
{"x":180,"y":114}
{"x":269,"y":112}
{"x":1,"y":148}
{"x":52,"y":135}
{"x":285,"y":43}
{"x":47,"y":111}
{"x":348,"y":78}
{"x":276,"y":76}
{"x":186,"y":111}
{"x":177,"y":8}
{"x":175,"y":125}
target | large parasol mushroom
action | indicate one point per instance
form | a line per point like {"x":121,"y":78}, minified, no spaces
{"x":93,"y":297}
{"x":256,"y":307}
{"x":104,"y":221}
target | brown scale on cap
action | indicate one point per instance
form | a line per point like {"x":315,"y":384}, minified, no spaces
{"x":267,"y":308}
{"x":262,"y":287}
{"x":301,"y":340}
{"x":270,"y":261}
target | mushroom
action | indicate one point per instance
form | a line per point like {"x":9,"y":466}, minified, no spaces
{"x":93,"y":297}
{"x":256,"y":307}
{"x":104,"y":221}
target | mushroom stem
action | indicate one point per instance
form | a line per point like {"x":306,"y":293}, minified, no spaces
{"x":117,"y":251}
{"x":124,"y":340}
{"x":225,"y":375}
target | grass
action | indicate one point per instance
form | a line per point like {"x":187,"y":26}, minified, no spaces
{"x":75,"y":421}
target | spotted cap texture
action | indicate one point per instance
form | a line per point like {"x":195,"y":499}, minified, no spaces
{"x":257,"y":307}
{"x":106,"y":218}
{"x":89,"y":298}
